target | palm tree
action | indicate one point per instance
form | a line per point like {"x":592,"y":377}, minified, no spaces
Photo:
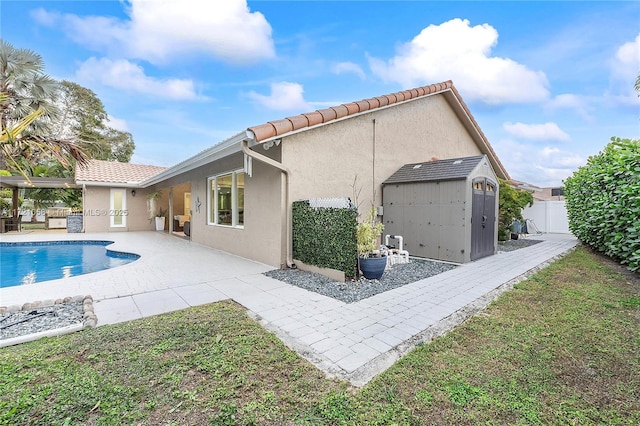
{"x":27,"y":109}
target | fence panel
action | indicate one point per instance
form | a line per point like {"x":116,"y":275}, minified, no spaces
{"x":549,"y":216}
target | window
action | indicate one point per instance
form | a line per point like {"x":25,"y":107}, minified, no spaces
{"x":225,"y":199}
{"x":118,"y":208}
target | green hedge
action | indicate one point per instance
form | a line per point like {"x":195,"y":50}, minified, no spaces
{"x":325,"y":237}
{"x":603,"y":202}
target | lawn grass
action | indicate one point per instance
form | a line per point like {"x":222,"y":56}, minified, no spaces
{"x":562,"y":348}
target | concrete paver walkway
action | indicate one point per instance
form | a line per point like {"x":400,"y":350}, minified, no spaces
{"x":353,"y":341}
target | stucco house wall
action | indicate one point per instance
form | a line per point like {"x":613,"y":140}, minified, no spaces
{"x":367,"y":149}
{"x":97,"y":210}
{"x":261,"y":237}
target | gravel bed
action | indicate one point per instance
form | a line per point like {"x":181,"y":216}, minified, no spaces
{"x":21,"y":323}
{"x":43,"y":316}
{"x":512,"y":245}
{"x":355,"y":290}
{"x":397,"y":276}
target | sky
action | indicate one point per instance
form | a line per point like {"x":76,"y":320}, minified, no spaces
{"x":549,"y":83}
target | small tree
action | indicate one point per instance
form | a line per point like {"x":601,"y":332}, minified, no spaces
{"x":511,"y":203}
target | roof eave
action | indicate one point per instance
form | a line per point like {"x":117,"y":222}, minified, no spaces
{"x":458,"y":105}
{"x":253,"y":137}
{"x":109,"y":184}
{"x":216,"y":152}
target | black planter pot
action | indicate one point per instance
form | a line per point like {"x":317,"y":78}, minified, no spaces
{"x":372,"y":267}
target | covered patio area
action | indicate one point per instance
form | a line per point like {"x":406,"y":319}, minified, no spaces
{"x":12,"y":220}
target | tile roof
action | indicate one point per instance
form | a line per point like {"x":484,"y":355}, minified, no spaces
{"x":289,"y":124}
{"x":273,"y":129}
{"x":115,"y":172}
{"x":430,"y":171}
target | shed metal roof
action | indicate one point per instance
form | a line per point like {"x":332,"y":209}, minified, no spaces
{"x":430,"y":171}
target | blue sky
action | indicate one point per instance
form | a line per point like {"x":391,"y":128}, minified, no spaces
{"x":548,"y":82}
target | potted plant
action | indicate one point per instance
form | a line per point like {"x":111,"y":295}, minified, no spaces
{"x":154,"y":212}
{"x":370,"y":261}
{"x":160,"y":218}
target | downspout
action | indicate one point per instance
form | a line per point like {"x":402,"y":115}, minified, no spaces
{"x":286,"y":172}
{"x":373,"y":165}
{"x":84,"y":216}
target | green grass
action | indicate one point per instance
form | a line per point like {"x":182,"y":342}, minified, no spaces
{"x":561,"y":348}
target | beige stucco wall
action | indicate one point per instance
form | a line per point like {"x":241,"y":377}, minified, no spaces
{"x":97,"y":206}
{"x":261,"y":238}
{"x":327,"y":160}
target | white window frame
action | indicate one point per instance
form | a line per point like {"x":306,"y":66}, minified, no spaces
{"x":112,"y":208}
{"x":212,"y":199}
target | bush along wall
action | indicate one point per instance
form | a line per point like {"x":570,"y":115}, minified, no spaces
{"x":603,"y":202}
{"x":511,"y":202}
{"x":325,"y":237}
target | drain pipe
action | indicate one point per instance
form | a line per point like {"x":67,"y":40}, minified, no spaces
{"x":286,"y":172}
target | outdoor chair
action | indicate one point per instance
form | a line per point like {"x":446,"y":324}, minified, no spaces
{"x":13,"y":224}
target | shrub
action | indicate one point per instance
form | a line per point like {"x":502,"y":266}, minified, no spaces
{"x":511,"y":202}
{"x":603,"y":201}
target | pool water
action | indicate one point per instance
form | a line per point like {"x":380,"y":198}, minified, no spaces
{"x":28,"y":263}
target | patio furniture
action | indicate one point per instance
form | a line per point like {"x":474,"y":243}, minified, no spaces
{"x":13,"y":224}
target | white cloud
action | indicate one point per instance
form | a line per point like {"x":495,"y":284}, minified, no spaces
{"x":544,"y":132}
{"x":624,"y":71}
{"x":117,"y":123}
{"x":348,"y":67}
{"x":127,"y":76}
{"x":284,"y":96}
{"x":547,"y":166}
{"x":580,"y":104}
{"x":456,"y":51}
{"x":626,"y":63}
{"x":162,"y":31}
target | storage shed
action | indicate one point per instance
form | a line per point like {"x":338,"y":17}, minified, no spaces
{"x":445,"y":209}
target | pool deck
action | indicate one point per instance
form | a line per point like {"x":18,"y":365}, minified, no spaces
{"x":353,"y":341}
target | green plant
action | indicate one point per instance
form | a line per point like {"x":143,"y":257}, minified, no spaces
{"x":161,"y":212}
{"x":367,"y":234}
{"x":511,"y":202}
{"x":152,"y":201}
{"x":337,"y":245}
{"x":603,"y":201}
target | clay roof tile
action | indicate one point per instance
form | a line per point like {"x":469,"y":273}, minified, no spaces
{"x":327,"y":114}
{"x":363,"y":106}
{"x":282,"y":126}
{"x":314,"y":118}
{"x":115,"y":172}
{"x":341,"y":111}
{"x":383,"y":100}
{"x":263,"y":131}
{"x":298,"y":121}
{"x":352,"y":107}
{"x":373,"y":103}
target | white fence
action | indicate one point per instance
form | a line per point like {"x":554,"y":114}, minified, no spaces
{"x":549,"y":216}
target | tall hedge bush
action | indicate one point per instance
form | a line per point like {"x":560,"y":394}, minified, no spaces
{"x":603,"y":201}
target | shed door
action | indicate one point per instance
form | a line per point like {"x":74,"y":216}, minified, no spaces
{"x":483,"y":218}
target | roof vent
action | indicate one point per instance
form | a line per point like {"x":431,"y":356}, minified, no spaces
{"x":457,"y":162}
{"x":417,"y":166}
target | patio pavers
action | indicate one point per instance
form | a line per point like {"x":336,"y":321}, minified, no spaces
{"x":352,"y":341}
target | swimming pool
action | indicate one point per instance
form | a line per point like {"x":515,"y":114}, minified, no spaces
{"x":28,"y":263}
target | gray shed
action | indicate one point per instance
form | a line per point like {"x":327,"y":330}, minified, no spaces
{"x":445,"y":209}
